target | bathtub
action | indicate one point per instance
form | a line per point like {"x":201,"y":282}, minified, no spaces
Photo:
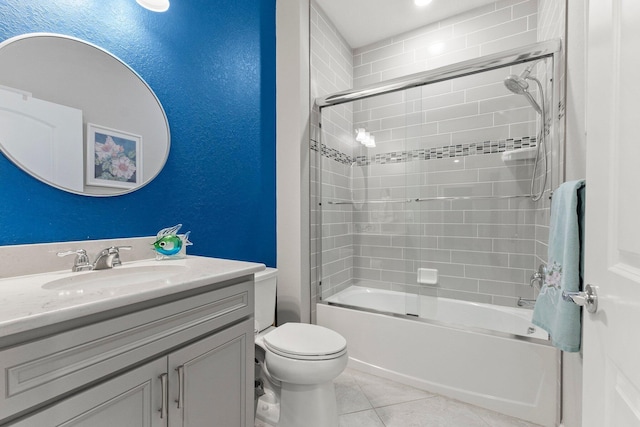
{"x":482,"y":354}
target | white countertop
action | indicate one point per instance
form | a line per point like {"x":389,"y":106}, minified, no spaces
{"x":26,"y":305}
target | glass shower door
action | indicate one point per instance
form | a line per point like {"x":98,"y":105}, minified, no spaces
{"x":425,"y":191}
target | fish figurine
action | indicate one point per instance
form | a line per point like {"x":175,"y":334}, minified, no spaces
{"x":168,"y":243}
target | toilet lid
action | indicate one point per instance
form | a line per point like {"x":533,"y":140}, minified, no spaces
{"x":304,"y":341}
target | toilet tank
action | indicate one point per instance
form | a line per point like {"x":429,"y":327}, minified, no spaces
{"x":265,"y":298}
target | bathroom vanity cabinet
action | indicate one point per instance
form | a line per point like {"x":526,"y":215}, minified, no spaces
{"x":179,"y":360}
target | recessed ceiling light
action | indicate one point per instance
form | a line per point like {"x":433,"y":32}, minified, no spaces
{"x":421,"y":3}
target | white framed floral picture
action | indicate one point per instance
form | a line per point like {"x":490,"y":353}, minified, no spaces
{"x":114,"y":158}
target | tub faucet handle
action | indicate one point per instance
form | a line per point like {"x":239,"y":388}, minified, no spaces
{"x":81,"y":262}
{"x":538,"y":277}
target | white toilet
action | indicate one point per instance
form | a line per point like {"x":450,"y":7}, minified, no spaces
{"x":299,"y":362}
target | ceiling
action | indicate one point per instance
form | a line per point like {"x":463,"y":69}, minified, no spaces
{"x":362,"y":22}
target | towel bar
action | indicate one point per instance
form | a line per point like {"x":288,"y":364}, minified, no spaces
{"x":435,"y":199}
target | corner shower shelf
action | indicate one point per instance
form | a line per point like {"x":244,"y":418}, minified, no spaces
{"x":519,"y":154}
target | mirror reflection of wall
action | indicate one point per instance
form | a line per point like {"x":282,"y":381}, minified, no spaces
{"x":55,"y":92}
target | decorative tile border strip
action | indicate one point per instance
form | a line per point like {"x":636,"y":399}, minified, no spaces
{"x":332,"y":153}
{"x":444,"y":152}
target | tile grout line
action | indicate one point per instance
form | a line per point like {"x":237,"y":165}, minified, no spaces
{"x":368,"y":400}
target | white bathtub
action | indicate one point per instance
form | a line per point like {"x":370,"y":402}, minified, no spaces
{"x":509,"y":320}
{"x":479,"y":353}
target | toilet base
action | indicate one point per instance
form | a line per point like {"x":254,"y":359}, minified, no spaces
{"x":268,"y":408}
{"x":308,"y":405}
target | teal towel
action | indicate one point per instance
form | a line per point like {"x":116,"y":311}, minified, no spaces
{"x":560,"y":318}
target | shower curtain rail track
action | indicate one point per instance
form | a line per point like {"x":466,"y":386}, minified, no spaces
{"x":434,"y":199}
{"x":473,"y":66}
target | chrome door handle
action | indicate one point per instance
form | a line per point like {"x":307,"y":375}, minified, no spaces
{"x":588,"y":298}
{"x":180,"y":399}
{"x":163,"y":408}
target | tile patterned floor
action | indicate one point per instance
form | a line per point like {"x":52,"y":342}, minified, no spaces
{"x":368,"y":401}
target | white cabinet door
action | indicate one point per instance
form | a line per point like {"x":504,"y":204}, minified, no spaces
{"x":130,"y":400}
{"x":207,"y":383}
{"x":210,"y":380}
{"x":611,"y":340}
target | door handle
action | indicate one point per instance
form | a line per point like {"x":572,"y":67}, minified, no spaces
{"x":180,"y":399}
{"x":588,"y":298}
{"x":163,"y":408}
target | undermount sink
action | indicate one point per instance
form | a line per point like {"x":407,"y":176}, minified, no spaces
{"x":115,"y":277}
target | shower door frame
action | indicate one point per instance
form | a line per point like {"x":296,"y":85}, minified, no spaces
{"x":541,"y":50}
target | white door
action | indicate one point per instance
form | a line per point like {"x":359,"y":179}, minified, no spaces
{"x":43,"y":138}
{"x":612,"y":335}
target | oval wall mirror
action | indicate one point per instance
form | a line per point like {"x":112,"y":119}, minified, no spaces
{"x":78,"y":118}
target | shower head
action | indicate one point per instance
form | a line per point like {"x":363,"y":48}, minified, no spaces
{"x":520,"y":86}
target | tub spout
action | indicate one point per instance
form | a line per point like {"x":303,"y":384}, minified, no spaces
{"x":526,"y":303}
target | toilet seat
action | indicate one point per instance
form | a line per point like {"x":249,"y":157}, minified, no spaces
{"x":303,"y":341}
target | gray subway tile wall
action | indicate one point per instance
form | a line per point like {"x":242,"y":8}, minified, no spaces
{"x":444,"y":139}
{"x":458,"y":38}
{"x":470,"y":242}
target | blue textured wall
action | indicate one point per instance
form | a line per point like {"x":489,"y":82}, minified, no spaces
{"x":212,"y":65}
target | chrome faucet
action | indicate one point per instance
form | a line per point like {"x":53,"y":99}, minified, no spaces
{"x":107,"y":258}
{"x":526,"y":302}
{"x":81,"y":262}
{"x":536,"y":280}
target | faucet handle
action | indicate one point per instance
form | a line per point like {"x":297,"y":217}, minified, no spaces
{"x":81,"y":262}
{"x":116,"y":251}
{"x":538,"y":277}
{"x":113,"y":249}
{"x":78,"y":252}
